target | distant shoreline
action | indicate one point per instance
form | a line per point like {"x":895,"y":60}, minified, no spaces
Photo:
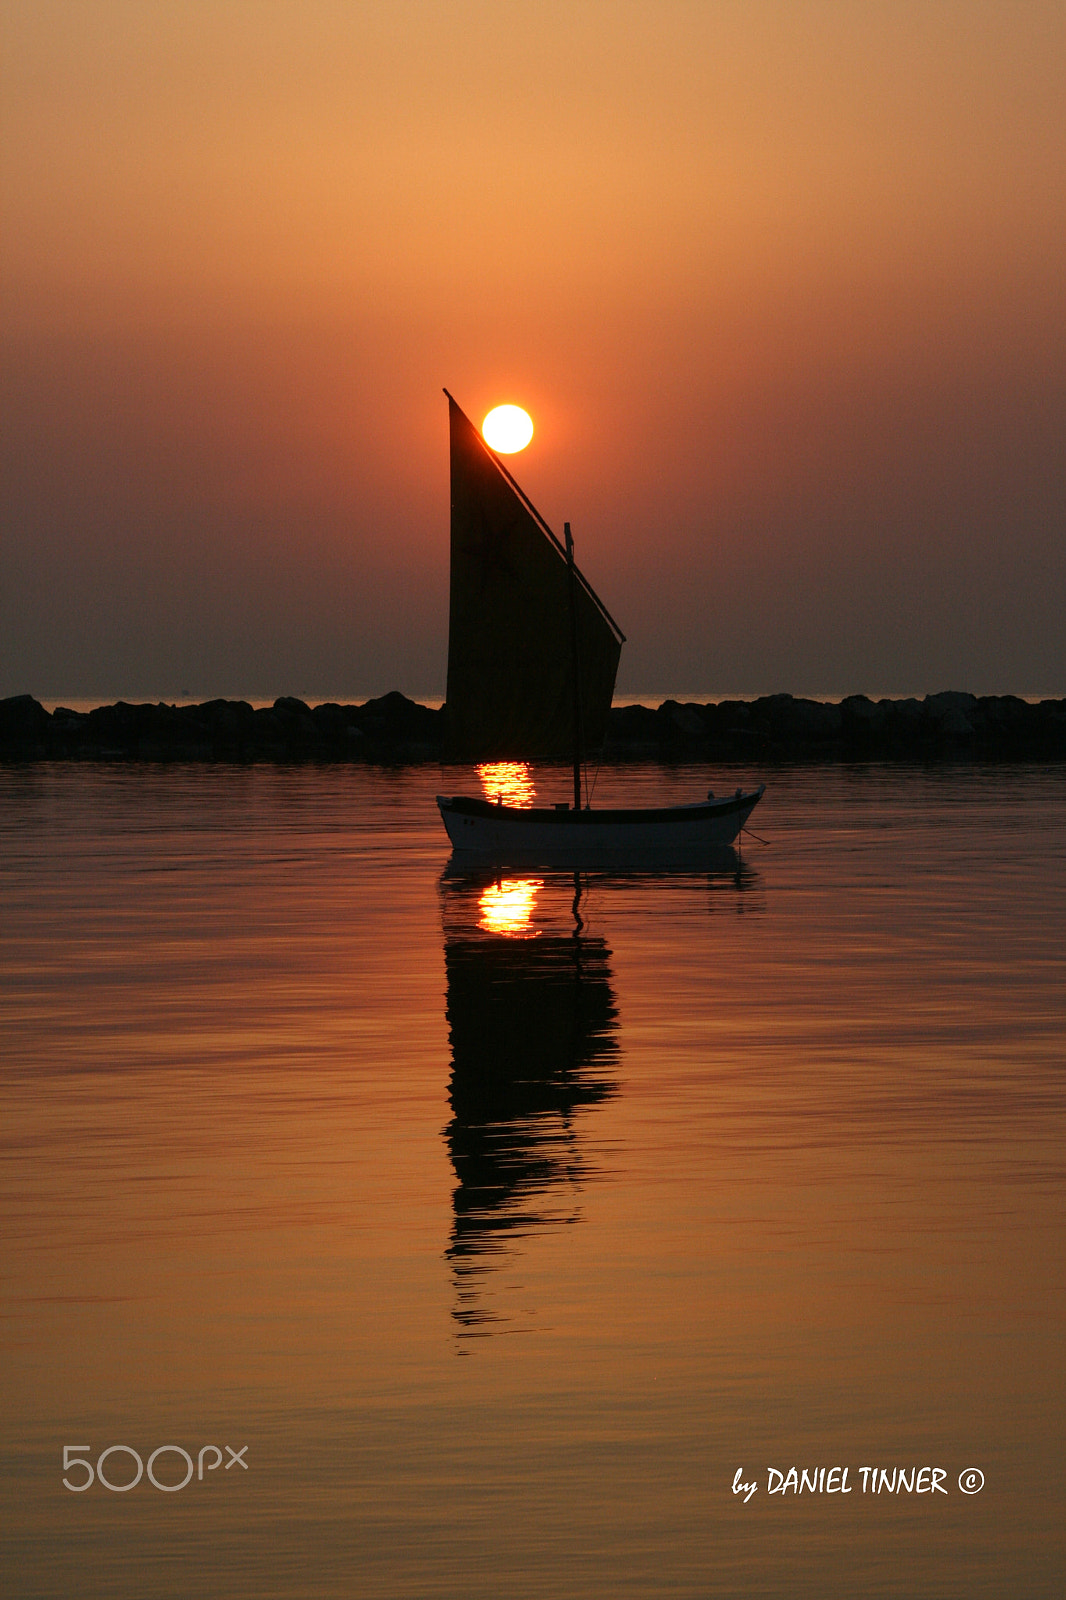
{"x":394,"y":729}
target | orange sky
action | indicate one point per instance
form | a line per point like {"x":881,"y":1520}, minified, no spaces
{"x":781,"y":284}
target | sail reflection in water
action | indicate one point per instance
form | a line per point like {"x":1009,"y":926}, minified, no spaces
{"x":532,"y":1020}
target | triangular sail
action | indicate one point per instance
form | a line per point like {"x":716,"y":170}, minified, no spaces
{"x":510,"y":682}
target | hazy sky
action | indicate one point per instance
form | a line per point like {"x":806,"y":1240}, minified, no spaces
{"x":780,"y":281}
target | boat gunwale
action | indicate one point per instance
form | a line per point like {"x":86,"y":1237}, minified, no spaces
{"x":563,"y":816}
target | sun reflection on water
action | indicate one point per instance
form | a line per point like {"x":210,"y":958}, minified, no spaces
{"x":507,"y":906}
{"x":509,"y":781}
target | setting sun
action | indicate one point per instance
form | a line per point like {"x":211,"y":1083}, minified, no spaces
{"x":507,"y":429}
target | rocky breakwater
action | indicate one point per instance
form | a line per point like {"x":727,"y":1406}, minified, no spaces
{"x":781,"y":727}
{"x":391,"y":728}
{"x":778,"y":727}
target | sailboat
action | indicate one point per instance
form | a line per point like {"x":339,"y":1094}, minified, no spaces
{"x":532,"y":658}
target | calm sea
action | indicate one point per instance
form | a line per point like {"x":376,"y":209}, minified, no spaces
{"x":461,"y":1236}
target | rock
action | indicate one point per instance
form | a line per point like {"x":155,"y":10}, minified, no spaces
{"x":267,"y":727}
{"x":330,"y":719}
{"x":819,"y":721}
{"x":228,"y":720}
{"x":861,"y":719}
{"x":686,"y":721}
{"x":733,"y":715}
{"x":950,"y":700}
{"x":404,"y":724}
{"x":23,"y":720}
{"x":792,"y":721}
{"x":951,"y":713}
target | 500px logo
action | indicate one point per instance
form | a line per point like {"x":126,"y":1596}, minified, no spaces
{"x":97,"y":1473}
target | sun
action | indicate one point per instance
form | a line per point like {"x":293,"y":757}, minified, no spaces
{"x":507,"y":429}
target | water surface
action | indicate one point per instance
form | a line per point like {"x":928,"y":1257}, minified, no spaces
{"x":505,"y":1218}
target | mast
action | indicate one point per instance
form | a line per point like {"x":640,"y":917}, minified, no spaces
{"x":575,"y":673}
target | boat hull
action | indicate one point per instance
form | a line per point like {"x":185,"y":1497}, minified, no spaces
{"x":480,"y":827}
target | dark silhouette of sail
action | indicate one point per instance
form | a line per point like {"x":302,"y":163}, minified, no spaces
{"x":510,"y":654}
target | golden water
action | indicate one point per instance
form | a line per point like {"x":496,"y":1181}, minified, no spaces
{"x":504,"y":1220}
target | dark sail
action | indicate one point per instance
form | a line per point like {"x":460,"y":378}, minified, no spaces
{"x":510,"y":683}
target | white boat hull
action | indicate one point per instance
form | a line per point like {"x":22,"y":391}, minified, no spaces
{"x":560,"y":833}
